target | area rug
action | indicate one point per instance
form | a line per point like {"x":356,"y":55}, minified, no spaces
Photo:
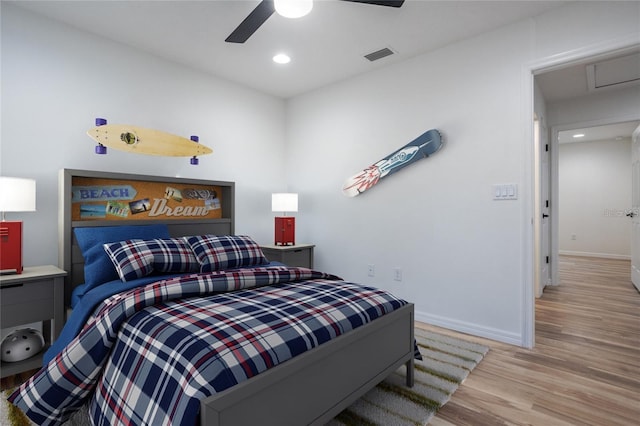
{"x":446,"y":362}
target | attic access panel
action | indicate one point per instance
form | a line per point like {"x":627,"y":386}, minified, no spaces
{"x":612,"y":73}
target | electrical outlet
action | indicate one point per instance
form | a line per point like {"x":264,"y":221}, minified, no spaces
{"x":397,"y":274}
{"x":371,"y":270}
{"x":573,"y":236}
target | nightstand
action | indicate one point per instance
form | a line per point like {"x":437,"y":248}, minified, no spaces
{"x":35,"y":295}
{"x":297,"y":255}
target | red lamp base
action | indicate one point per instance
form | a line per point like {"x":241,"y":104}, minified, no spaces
{"x":11,"y":247}
{"x":285,"y":231}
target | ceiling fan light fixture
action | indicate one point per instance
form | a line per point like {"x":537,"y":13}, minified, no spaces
{"x":293,"y":8}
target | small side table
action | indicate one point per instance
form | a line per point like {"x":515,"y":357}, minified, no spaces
{"x":35,"y":295}
{"x":296,"y":255}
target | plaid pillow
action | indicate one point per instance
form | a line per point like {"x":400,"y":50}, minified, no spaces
{"x":139,"y":258}
{"x":216,"y":253}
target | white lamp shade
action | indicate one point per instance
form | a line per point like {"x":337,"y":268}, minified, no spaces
{"x":17,"y":194}
{"x":284,"y":202}
{"x":293,"y":8}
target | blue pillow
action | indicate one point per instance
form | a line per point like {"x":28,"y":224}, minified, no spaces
{"x":98,"y":268}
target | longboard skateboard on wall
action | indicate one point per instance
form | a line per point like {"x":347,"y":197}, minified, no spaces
{"x":140,"y":140}
{"x":423,"y":146}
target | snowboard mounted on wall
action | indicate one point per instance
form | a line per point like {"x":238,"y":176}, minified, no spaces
{"x":423,"y":146}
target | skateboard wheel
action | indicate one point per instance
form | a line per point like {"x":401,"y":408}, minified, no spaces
{"x":101,"y":149}
{"x":194,"y":161}
{"x":101,"y":121}
{"x":195,"y":138}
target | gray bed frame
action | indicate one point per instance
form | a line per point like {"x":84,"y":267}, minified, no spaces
{"x":309,"y":389}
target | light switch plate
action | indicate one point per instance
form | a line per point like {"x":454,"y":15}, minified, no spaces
{"x":505,"y":191}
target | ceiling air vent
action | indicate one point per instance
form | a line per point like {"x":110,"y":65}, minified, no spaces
{"x":613,"y":73}
{"x":379,"y":54}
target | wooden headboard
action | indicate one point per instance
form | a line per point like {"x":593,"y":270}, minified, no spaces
{"x":93,"y":198}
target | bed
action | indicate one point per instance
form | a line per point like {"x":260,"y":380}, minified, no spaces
{"x":350,"y":337}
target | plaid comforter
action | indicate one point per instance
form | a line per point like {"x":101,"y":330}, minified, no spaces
{"x":149,"y":355}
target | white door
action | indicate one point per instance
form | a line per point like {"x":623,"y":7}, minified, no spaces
{"x":635,"y":209}
{"x":545,"y":183}
{"x":543,"y":239}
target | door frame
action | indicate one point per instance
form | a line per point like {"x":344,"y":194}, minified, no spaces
{"x":635,"y":193}
{"x":532,"y":168}
{"x":555,"y":172}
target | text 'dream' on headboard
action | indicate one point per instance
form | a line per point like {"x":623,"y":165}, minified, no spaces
{"x":114,"y":199}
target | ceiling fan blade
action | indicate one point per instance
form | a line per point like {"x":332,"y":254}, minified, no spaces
{"x":251,"y":23}
{"x":390,"y":3}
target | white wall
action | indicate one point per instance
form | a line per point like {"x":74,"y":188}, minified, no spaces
{"x":459,"y":250}
{"x":56,"y":80}
{"x":465,"y":257}
{"x":595,"y":193}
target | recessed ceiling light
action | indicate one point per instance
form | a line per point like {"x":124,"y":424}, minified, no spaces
{"x":578,"y":135}
{"x":281,"y":58}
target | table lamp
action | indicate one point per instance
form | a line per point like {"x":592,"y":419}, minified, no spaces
{"x":285,"y":229}
{"x":16,"y":195}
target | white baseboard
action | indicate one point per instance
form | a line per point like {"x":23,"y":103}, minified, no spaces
{"x":469,"y":328}
{"x":590,"y":254}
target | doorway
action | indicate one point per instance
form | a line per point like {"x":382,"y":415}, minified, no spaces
{"x":565,"y":107}
{"x":594,"y":180}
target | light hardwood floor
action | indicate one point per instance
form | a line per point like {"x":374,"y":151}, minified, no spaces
{"x":584,"y":369}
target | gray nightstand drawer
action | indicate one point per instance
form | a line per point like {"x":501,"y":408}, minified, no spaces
{"x":25,"y":302}
{"x":27,"y":312}
{"x":299,"y":255}
{"x":26,"y":292}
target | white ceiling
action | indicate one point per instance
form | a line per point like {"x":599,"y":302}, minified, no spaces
{"x":620,"y":70}
{"x":600,"y":133}
{"x":326,"y":46}
{"x":572,"y":82}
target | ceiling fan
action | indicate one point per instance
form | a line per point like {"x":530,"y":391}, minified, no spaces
{"x":266,"y":8}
